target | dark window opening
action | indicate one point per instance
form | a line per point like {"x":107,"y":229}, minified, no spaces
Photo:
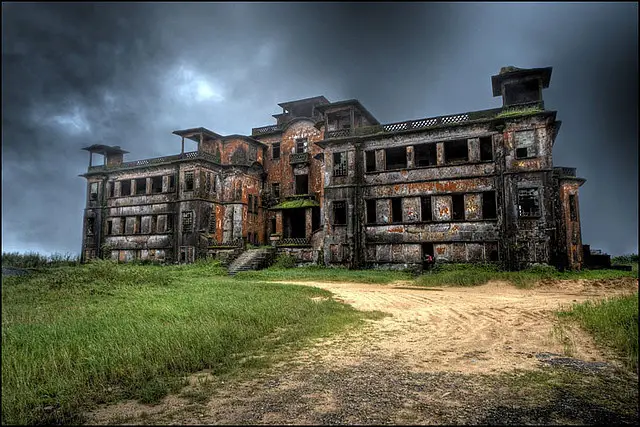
{"x":523,"y":92}
{"x":188,"y":181}
{"x":169,"y":223}
{"x":302,"y":184}
{"x":371,"y":212}
{"x":573,"y":209}
{"x":395,"y":158}
{"x":339,"y":213}
{"x":396,"y":210}
{"x":370,"y":161}
{"x":207,"y":183}
{"x":137,"y":225}
{"x":486,"y":149}
{"x":493,"y":255}
{"x":427,"y":249}
{"x":275,"y":189}
{"x":172,"y":182}
{"x":90,"y":224}
{"x":125,"y":188}
{"x":489,"y":205}
{"x":187,"y":222}
{"x":112,"y":188}
{"x":212,"y":221}
{"x":255,"y":205}
{"x":156,"y":184}
{"x":250,"y":207}
{"x":301,"y":145}
{"x":93,"y":191}
{"x":315,"y":218}
{"x":457,"y":205}
{"x":123,"y":225}
{"x":425,"y":154}
{"x":275,"y":151}
{"x":340,"y":164}
{"x":273,"y":226}
{"x":214,"y":180}
{"x":522,"y":153}
{"x":528,"y":202}
{"x":109,"y":227}
{"x":141,"y":186}
{"x":456,"y":151}
{"x":425,"y":208}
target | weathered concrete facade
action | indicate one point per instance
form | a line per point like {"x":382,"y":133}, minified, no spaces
{"x":331,"y":185}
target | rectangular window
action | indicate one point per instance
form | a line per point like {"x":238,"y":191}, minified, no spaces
{"x":169,"y":224}
{"x":528,"y":202}
{"x":273,"y":226}
{"x":212,"y":220}
{"x":156,"y":184}
{"x":250,"y":208}
{"x":153,"y":224}
{"x":489,"y":205}
{"x":457,"y":205}
{"x":275,"y":151}
{"x":425,"y":208}
{"x":525,"y":144}
{"x":207,"y":183}
{"x":125,"y":187}
{"x":255,"y":204}
{"x":339,"y":213}
{"x":112,"y":188}
{"x":371,"y":212}
{"x":486,"y":149}
{"x":395,"y":158}
{"x":137,"y":225}
{"x":141,"y":186}
{"x":187,"y":222}
{"x":188,"y":181}
{"x":109,"y":227}
{"x":370,"y":160}
{"x":90,"y":224}
{"x":340,"y":164}
{"x":93,"y":191}
{"x":396,"y":210}
{"x":301,"y":145}
{"x":456,"y":151}
{"x":214,"y":178}
{"x":302,"y":184}
{"x":275,"y":189}
{"x":123,"y":225}
{"x":573,"y":208}
{"x":425,"y":154}
{"x":172,"y":182}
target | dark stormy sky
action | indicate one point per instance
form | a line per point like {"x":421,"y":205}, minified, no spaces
{"x":129,"y":74}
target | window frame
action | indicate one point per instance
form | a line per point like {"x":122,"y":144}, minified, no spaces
{"x":340,"y":168}
{"x":189,"y":178}
{"x":339,"y":205}
{"x":274,"y":146}
{"x":536,"y":200}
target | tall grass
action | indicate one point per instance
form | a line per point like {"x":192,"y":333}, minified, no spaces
{"x":36,"y":260}
{"x":478,"y":274}
{"x":73,"y":337}
{"x":613,"y":322}
{"x":324,"y":274}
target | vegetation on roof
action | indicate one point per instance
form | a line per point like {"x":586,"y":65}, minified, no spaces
{"x":299,"y":203}
{"x":522,"y":112}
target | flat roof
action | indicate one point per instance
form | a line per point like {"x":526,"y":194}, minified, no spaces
{"x":511,"y":72}
{"x":353,"y":102}
{"x":184,"y":132}
{"x":320,"y":99}
{"x":115,"y":149}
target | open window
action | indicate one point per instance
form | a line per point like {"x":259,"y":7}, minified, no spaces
{"x":370,"y":157}
{"x":109,"y":227}
{"x":273,"y":226}
{"x":125,"y":187}
{"x":112,"y":188}
{"x":187,"y":222}
{"x":395,"y":158}
{"x":339,"y":213}
{"x":486,"y":149}
{"x":90,"y":224}
{"x":528,"y":202}
{"x":396,"y":210}
{"x":456,"y":151}
{"x":489,"y":205}
{"x":302,"y":145}
{"x":457,"y":206}
{"x":156,"y":184}
{"x":250,"y":207}
{"x":275,"y":151}
{"x":425,"y":208}
{"x":371,"y":211}
{"x":141,"y":186}
{"x":188,"y":181}
{"x":275,"y":190}
{"x":340,"y":164}
{"x":302,"y":184}
{"x":425,"y":154}
{"x":522,"y":92}
{"x":93,"y":191}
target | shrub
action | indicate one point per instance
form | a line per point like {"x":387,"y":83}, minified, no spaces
{"x":285,"y":260}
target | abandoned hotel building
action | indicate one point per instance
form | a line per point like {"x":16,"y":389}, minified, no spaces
{"x":331,"y":185}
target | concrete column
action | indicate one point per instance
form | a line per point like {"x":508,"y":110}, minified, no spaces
{"x":182,"y":150}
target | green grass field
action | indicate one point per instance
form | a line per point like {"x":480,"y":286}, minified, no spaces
{"x":613,"y":322}
{"x":76,"y":336}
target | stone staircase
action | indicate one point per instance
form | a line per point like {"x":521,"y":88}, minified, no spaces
{"x":252,"y":259}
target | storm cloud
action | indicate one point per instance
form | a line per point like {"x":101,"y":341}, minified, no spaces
{"x":129,"y":74}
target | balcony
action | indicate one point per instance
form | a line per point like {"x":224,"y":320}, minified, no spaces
{"x":297,"y":158}
{"x":157,"y":160}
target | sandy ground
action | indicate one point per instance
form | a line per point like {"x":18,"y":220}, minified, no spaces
{"x":409,"y":367}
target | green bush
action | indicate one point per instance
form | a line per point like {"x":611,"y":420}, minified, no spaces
{"x":285,"y":260}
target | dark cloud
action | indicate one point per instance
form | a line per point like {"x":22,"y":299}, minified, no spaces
{"x":129,"y":73}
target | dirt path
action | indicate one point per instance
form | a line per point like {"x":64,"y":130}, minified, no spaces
{"x":423,"y":364}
